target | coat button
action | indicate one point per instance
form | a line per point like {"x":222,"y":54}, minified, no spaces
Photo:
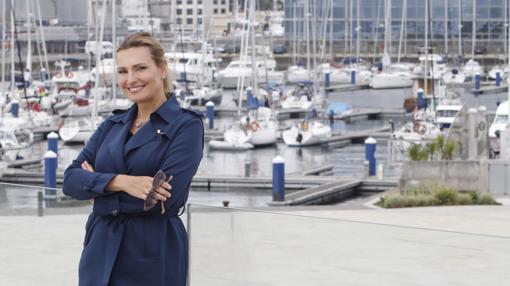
{"x":115,"y":212}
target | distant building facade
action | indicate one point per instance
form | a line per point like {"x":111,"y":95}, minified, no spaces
{"x":488,"y":20}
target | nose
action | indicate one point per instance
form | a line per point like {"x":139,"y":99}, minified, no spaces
{"x":130,"y":77}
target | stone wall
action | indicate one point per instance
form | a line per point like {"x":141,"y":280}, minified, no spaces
{"x":463,"y":175}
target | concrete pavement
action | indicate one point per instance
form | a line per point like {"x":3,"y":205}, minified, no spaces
{"x":469,"y":245}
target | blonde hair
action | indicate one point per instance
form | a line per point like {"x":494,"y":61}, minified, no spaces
{"x":144,"y":39}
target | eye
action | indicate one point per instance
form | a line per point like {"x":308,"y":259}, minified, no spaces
{"x":121,"y":71}
{"x":140,"y":68}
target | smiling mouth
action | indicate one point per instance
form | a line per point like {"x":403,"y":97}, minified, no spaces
{"x":135,"y":89}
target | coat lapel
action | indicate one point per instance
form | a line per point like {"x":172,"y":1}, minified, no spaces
{"x":116,"y":146}
{"x":142,"y":137}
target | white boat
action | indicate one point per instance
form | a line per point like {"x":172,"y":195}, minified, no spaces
{"x":195,"y":67}
{"x":436,"y":66}
{"x":105,"y":70}
{"x":454,"y":76}
{"x":306,"y":133}
{"x":298,"y":98}
{"x":224,"y":145}
{"x":198,"y":96}
{"x":391,"y":80}
{"x":229,"y":77}
{"x":15,"y":142}
{"x":471,"y":68}
{"x":297,"y":74}
{"x":503,"y":72}
{"x":446,"y":114}
{"x":344,"y":75}
{"x":78,"y":130}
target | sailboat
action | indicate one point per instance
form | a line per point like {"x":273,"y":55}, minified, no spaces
{"x":390,"y":77}
{"x":259,"y":126}
{"x":310,"y":131}
{"x":81,"y":129}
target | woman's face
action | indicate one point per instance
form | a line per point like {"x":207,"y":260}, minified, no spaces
{"x":138,"y":75}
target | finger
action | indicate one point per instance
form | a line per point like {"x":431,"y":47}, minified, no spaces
{"x":160,"y":197}
{"x":161,"y":191}
{"x":166,"y":186}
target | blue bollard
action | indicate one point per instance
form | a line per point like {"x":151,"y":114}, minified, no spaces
{"x":183,"y":76}
{"x":15,"y":108}
{"x":420,"y":99}
{"x":50,"y":174}
{"x":210,"y":113}
{"x":353,"y":76}
{"x":278,"y":179}
{"x":327,"y":79}
{"x":249,"y":98}
{"x":498,"y":78}
{"x":53,"y":143}
{"x":370,"y":144}
{"x":477,"y":81}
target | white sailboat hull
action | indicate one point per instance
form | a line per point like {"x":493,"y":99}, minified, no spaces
{"x":391,"y":80}
{"x":315,"y":134}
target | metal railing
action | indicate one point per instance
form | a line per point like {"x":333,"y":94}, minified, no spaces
{"x":252,"y":247}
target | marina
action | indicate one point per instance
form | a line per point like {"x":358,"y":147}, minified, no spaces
{"x":346,"y":142}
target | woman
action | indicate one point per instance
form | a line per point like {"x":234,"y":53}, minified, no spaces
{"x":134,"y":235}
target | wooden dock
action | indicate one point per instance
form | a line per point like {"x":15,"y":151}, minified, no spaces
{"x":335,"y":191}
{"x":346,"y":87}
{"x":358,"y":136}
{"x":372,"y":114}
{"x":490,"y":89}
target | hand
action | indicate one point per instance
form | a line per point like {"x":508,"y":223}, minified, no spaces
{"x":139,"y":187}
{"x":87,"y":167}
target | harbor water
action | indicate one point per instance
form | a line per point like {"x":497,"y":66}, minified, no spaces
{"x":346,"y":161}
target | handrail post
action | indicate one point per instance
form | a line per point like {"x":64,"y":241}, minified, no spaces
{"x":188,"y":228}
{"x":40,"y":203}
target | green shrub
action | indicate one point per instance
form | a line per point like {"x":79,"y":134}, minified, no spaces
{"x":433,"y":194}
{"x":464,"y":199}
{"x":486,"y":199}
{"x":446,"y":196}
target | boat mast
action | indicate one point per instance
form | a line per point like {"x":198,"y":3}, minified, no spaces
{"x":460,"y":27}
{"x":402,"y":24}
{"x":2,"y":82}
{"x":446,"y":28}
{"x":114,"y":45}
{"x":473,"y":31}
{"x":13,"y":69}
{"x":28,"y":63}
{"x":99,"y":44}
{"x":358,"y":30}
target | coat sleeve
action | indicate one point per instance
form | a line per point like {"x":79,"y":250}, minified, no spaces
{"x":182,"y":160}
{"x":84,"y":185}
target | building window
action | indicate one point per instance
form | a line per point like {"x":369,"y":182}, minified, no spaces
{"x":179,"y":20}
{"x":215,"y":2}
{"x":189,"y":11}
{"x":189,"y":21}
{"x":179,"y":2}
{"x":199,"y":12}
{"x":189,"y":2}
{"x":199,"y":20}
{"x":223,"y":11}
{"x":222,"y":2}
{"x":179,"y":11}
{"x":199,"y":2}
{"x":215,"y":11}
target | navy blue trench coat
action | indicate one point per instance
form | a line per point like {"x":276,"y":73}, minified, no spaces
{"x":124,"y":245}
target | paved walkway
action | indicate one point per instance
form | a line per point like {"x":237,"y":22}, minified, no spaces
{"x":301,"y":246}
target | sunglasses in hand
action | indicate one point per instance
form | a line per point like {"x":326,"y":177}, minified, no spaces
{"x":151,"y":199}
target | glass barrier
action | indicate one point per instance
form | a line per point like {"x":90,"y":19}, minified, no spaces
{"x":248,"y":247}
